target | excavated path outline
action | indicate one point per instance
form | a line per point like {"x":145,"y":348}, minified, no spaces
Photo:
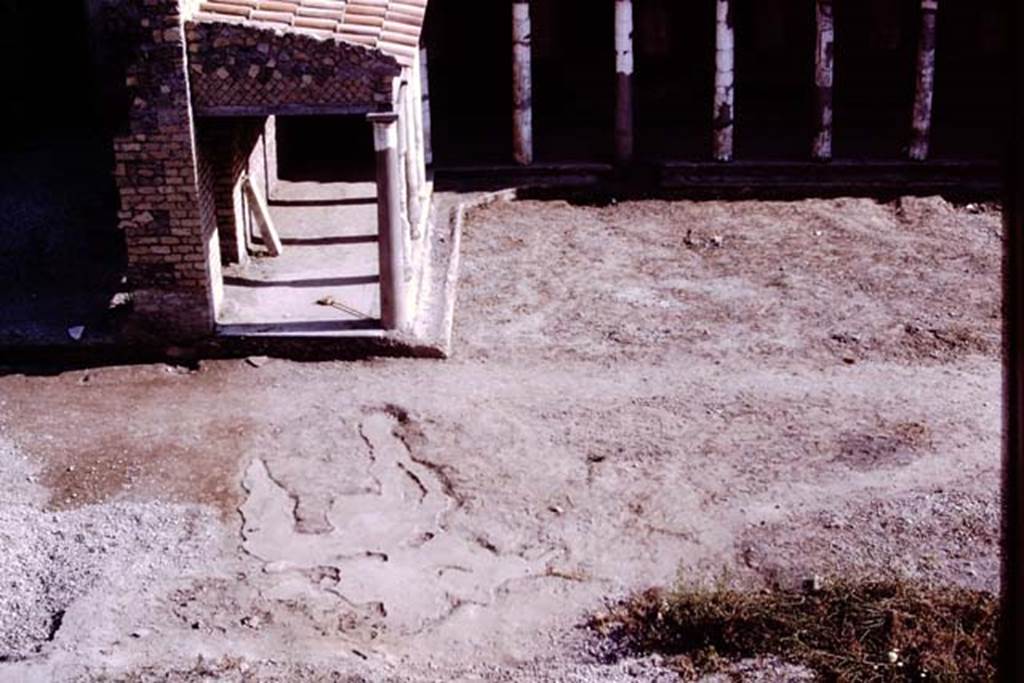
{"x":388,"y":552}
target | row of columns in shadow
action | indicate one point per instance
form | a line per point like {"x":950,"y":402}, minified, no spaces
{"x":723,"y":109}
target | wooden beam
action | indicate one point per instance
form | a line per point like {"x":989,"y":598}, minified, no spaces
{"x":624,"y":80}
{"x":522,"y":83}
{"x":922,"y":120}
{"x":261,"y":212}
{"x":824,"y":61}
{"x":724,"y":78}
{"x":284,"y":110}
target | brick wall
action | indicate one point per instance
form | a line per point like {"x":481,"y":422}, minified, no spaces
{"x":234,"y":147}
{"x":207,"y":183}
{"x":180,"y":209}
{"x":234,"y":67}
{"x":166,"y":212}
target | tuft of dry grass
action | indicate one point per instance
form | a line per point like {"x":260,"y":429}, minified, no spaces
{"x":845,"y":630}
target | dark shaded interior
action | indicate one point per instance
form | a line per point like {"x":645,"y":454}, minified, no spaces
{"x":774,"y":78}
{"x":876,"y":54}
{"x":470,"y":66}
{"x":675,"y":56}
{"x":60,"y":249}
{"x":470,"y":45}
{"x":325,"y":149}
{"x":972,"y":53}
{"x":48,"y":69}
{"x":573,"y":79}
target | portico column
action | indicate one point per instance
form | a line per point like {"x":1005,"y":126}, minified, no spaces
{"x":522,"y":83}
{"x":823,"y":80}
{"x":411,"y":156}
{"x":416,"y":105}
{"x":403,"y":130}
{"x":394,"y":311}
{"x":922,"y":122}
{"x":428,"y":143}
{"x":724,"y":77}
{"x":624,"y":80}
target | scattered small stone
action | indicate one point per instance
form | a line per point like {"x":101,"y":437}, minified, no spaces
{"x":257,"y":361}
{"x":814,"y":584}
{"x":845,"y":338}
{"x":253,"y":622}
{"x":120,"y":300}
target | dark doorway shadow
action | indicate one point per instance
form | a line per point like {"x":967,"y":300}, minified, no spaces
{"x":328,"y":241}
{"x":61,"y":252}
{"x":326,"y":149}
{"x":352,"y":201}
{"x":311,"y":282}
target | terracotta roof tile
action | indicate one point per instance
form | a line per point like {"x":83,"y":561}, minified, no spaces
{"x":392,"y":26}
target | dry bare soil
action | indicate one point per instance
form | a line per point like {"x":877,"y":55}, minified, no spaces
{"x":641,"y":393}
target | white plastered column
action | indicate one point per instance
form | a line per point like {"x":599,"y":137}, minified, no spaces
{"x":522,"y":83}
{"x":724,"y":113}
{"x":624,"y":64}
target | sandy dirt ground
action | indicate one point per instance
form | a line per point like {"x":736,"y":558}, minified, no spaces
{"x":641,"y":393}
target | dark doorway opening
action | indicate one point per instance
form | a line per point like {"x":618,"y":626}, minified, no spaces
{"x":322,"y":205}
{"x":325,"y":149}
{"x":61,"y":252}
{"x":47,"y":79}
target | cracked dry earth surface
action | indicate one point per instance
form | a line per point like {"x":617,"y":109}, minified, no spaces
{"x":641,"y":393}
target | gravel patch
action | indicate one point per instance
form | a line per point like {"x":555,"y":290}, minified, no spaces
{"x":52,"y":560}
